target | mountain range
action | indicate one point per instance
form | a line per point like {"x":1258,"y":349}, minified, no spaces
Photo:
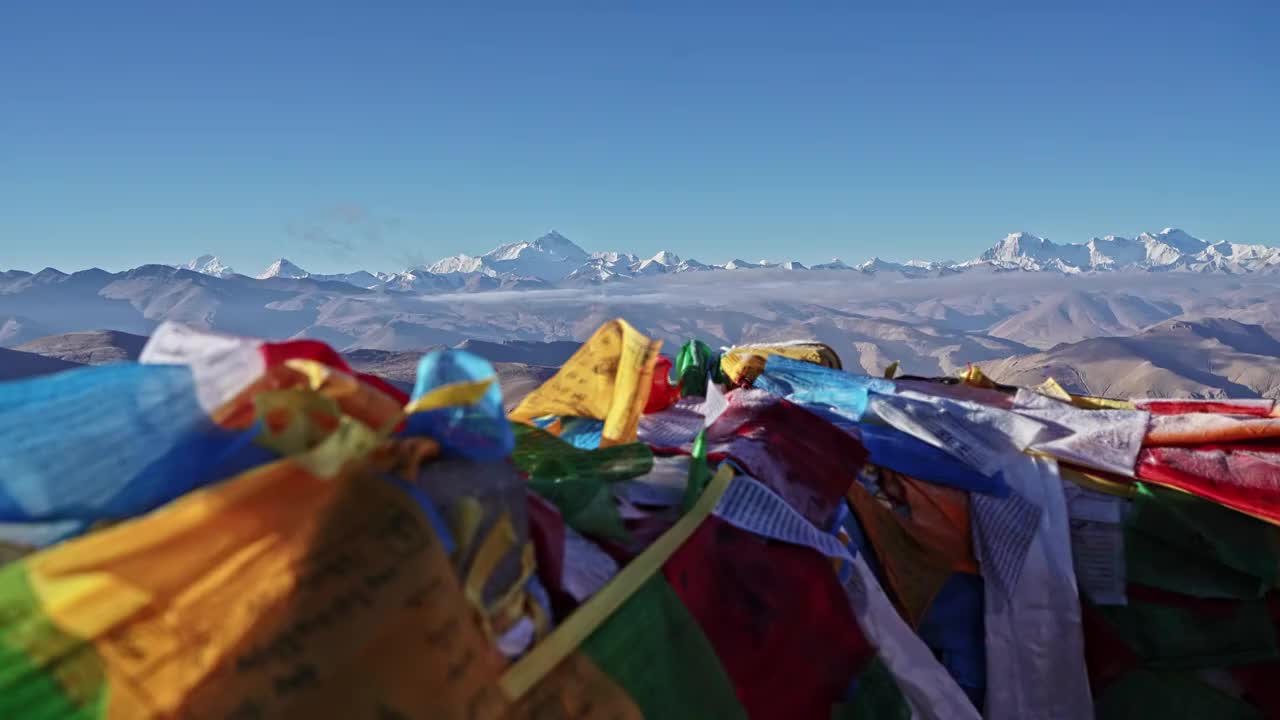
{"x":1026,"y":306}
{"x":554,"y":260}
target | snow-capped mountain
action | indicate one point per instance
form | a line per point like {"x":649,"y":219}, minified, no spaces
{"x":835,"y":264}
{"x":208,"y":265}
{"x":616,"y":258}
{"x":909,"y":269}
{"x":659,"y":264}
{"x":456,"y":264}
{"x":551,"y":257}
{"x":875,"y":265}
{"x":283,"y":269}
{"x":1026,"y":250}
{"x":692,"y":265}
{"x":1169,"y":249}
{"x":359,"y":278}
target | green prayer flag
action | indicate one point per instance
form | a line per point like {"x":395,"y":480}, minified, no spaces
{"x":699,"y":473}
{"x":1184,"y":544}
{"x":693,"y":364}
{"x":579,"y":482}
{"x":654,"y":649}
{"x":1169,"y":696}
{"x":1175,"y":638}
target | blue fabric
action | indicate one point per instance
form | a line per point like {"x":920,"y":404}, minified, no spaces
{"x":429,"y":509}
{"x":584,"y":433}
{"x":109,"y":443}
{"x":805,"y":383}
{"x":898,"y":451}
{"x":858,"y":543}
{"x":476,"y":432}
{"x":953,"y":628}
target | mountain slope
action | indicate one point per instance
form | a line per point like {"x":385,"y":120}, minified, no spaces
{"x":1073,"y":315}
{"x":94,"y":347}
{"x":208,"y":265}
{"x":1211,"y":358}
{"x":15,"y":330}
{"x":16,"y":365}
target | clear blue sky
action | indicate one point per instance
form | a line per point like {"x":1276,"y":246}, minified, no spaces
{"x":136,"y":132}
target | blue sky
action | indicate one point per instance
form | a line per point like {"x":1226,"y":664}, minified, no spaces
{"x":373,"y":137}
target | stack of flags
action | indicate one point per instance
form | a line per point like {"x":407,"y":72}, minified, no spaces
{"x":235,"y":528}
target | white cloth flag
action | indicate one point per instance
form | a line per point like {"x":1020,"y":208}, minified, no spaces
{"x":1101,"y":439}
{"x":1035,"y":642}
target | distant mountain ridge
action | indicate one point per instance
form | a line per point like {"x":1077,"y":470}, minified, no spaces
{"x":554,"y":260}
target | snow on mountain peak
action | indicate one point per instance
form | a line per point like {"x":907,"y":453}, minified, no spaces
{"x":555,"y":244}
{"x":1179,"y":240}
{"x":666,"y":257}
{"x":455,"y":264}
{"x":1169,"y":249}
{"x":835,"y":264}
{"x":691,"y":265}
{"x":616,"y":258}
{"x":551,"y":257}
{"x":208,"y":265}
{"x":554,"y":239}
{"x":283,"y":269}
{"x":1022,"y":249}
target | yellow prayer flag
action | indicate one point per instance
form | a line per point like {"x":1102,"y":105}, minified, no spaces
{"x":608,"y":378}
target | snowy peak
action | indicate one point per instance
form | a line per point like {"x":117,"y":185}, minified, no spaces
{"x":666,"y":257}
{"x":835,"y":264}
{"x":691,"y":265}
{"x":553,"y":245}
{"x":1115,"y":252}
{"x":456,"y":264}
{"x":616,"y":258}
{"x":1169,"y":249}
{"x":875,"y":264}
{"x":283,"y":269}
{"x":1178,"y":240}
{"x":207,"y":265}
{"x":1014,"y":247}
{"x":1026,"y":250}
{"x":911,"y":268}
{"x":551,"y":257}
